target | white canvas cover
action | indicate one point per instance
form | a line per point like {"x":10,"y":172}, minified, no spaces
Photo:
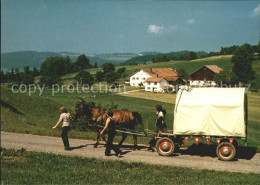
{"x":210,"y":112}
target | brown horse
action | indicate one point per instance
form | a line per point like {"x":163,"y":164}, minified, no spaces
{"x":123,"y":118}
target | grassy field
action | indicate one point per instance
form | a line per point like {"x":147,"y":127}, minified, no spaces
{"x":22,"y":167}
{"x":36,"y":115}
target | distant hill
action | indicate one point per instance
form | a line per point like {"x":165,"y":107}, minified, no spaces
{"x":150,"y":56}
{"x":34,"y":58}
{"x":29,"y":58}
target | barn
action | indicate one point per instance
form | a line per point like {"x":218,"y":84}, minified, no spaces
{"x":205,"y":76}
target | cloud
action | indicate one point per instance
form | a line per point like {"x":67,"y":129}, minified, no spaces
{"x":256,"y":11}
{"x":190,"y":21}
{"x":155,"y":29}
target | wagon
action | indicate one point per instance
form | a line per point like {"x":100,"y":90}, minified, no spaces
{"x":213,"y":114}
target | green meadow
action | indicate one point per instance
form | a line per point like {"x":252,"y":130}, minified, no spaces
{"x":22,"y":167}
{"x":37,"y":114}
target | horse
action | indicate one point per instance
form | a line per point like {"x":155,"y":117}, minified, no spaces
{"x":123,"y":118}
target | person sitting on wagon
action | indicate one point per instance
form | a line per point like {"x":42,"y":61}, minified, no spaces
{"x":110,"y":126}
{"x":160,"y":122}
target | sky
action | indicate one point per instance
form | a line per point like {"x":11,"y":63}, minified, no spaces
{"x":125,"y":26}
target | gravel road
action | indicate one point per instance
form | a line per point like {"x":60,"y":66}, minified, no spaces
{"x":192,"y":158}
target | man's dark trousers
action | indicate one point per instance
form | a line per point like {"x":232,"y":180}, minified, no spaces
{"x":109,"y":145}
{"x":64,"y":136}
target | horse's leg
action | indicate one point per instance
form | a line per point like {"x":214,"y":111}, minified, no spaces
{"x":124,"y":135}
{"x":135,"y":142}
{"x":98,"y":139}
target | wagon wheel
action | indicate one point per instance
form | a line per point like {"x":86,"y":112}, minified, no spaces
{"x":165,"y":146}
{"x":226,"y":151}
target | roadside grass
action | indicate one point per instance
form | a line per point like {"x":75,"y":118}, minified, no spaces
{"x":22,"y":167}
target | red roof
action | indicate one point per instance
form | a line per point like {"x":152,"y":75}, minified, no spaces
{"x":160,"y":72}
{"x":214,"y":68}
{"x":154,"y":79}
{"x":171,"y":78}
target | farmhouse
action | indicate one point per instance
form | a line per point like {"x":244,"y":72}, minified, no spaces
{"x":204,"y":76}
{"x":155,"y":79}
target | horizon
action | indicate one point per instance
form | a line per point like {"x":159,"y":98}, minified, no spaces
{"x":108,"y":27}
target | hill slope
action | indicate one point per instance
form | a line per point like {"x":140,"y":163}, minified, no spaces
{"x":29,"y":114}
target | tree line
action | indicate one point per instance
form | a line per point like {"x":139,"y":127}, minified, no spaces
{"x":51,"y":69}
{"x":242,"y":70}
{"x":185,"y":55}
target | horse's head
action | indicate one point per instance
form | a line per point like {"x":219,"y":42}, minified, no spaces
{"x":81,"y":109}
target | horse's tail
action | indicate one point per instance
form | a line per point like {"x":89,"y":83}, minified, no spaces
{"x":138,"y":118}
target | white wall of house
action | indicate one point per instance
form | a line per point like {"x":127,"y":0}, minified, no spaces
{"x":138,"y":78}
{"x":155,"y":86}
{"x":202,"y":83}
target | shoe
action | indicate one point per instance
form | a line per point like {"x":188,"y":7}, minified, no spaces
{"x":150,"y":148}
{"x":107,"y":154}
{"x":118,"y":154}
{"x":67,"y":148}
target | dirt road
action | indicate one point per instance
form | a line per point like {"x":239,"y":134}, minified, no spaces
{"x":192,"y":158}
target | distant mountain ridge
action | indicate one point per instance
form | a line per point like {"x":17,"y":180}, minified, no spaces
{"x":21,"y":59}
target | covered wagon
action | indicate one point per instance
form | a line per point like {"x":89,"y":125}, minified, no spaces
{"x":218,"y":114}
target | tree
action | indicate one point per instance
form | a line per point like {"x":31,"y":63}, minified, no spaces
{"x":111,"y":77}
{"x":2,"y":77}
{"x":83,"y":63}
{"x":55,"y":66}
{"x":242,"y":61}
{"x":121,"y":71}
{"x":35,"y":72}
{"x":258,"y":49}
{"x":27,"y":76}
{"x":95,"y":65}
{"x":100,"y":76}
{"x":224,"y":77}
{"x":28,"y":79}
{"x":183,"y":74}
{"x":108,"y":67}
{"x":84,"y":77}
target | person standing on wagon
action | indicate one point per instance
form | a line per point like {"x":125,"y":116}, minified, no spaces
{"x":110,"y":126}
{"x":65,"y":118}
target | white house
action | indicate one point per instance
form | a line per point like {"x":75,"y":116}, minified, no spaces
{"x":139,"y":77}
{"x":154,"y":79}
{"x":156,"y":84}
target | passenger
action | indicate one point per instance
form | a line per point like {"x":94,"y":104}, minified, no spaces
{"x":160,"y":123}
{"x":110,"y":126}
{"x":65,"y":118}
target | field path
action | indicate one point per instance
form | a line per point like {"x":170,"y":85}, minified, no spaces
{"x":84,"y":148}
